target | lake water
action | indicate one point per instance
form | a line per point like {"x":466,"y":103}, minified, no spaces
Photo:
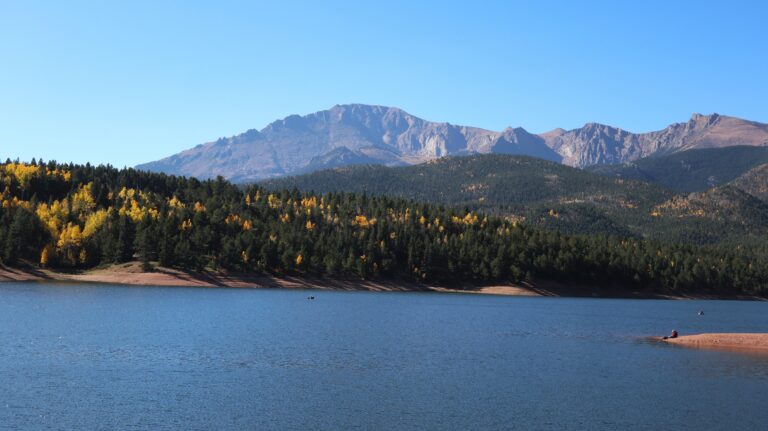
{"x":115,"y":357}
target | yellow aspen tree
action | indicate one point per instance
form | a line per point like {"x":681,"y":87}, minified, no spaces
{"x":45,"y":255}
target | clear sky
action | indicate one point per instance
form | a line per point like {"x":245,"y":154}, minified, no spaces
{"x":133,"y":81}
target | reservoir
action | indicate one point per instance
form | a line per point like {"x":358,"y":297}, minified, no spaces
{"x":86,"y":356}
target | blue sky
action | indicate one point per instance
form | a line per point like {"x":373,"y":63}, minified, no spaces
{"x":130,"y":82}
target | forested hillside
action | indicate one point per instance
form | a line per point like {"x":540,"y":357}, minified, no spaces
{"x":754,"y":182}
{"x":547,"y":195}
{"x":692,"y":170}
{"x":82,"y":216}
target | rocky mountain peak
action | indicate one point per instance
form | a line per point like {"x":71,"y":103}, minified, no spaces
{"x":391,"y":136}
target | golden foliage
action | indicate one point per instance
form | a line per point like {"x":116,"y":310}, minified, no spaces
{"x":71,"y":236}
{"x":174,"y":202}
{"x":94,"y":222}
{"x":24,"y":172}
{"x":309,"y":203}
{"x":14,"y":203}
{"x":69,"y":245}
{"x":137,"y":212}
{"x":235,"y":219}
{"x":53,"y":216}
{"x":45,"y":255}
{"x":363,"y":221}
{"x":82,"y":200}
{"x":126,"y":193}
{"x":274,"y":202}
{"x":232,"y":219}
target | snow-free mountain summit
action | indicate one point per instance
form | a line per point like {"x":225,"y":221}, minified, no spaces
{"x":355,"y":134}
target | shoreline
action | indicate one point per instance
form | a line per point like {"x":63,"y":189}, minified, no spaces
{"x":130,"y":273}
{"x":723,"y":341}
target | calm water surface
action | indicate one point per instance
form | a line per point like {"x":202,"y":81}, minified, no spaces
{"x":113,"y":357}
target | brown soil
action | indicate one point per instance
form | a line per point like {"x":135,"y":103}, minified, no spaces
{"x":131,"y":273}
{"x":734,"y":341}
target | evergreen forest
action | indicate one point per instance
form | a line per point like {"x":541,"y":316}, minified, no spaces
{"x":72,"y":217}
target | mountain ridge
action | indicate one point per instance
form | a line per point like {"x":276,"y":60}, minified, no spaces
{"x":391,"y":136}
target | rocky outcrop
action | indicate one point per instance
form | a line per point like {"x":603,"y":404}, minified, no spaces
{"x":596,"y":144}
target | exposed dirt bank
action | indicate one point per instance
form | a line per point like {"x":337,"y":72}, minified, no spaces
{"x":131,"y":273}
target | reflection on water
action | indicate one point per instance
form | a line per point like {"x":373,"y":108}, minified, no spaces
{"x":102,"y":357}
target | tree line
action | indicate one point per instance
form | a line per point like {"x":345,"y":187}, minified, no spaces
{"x":81,"y":216}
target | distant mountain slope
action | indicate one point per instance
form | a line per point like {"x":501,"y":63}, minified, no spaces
{"x":486,"y":182}
{"x":718,"y":212}
{"x":338,"y":157}
{"x":691,"y":170}
{"x":553,"y":196}
{"x":349,"y":134}
{"x":543,"y":193}
{"x":754,"y":182}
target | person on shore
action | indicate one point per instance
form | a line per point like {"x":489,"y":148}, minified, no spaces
{"x":672,"y":335}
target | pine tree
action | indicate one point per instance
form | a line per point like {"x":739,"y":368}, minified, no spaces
{"x":123,"y":247}
{"x":144,"y":243}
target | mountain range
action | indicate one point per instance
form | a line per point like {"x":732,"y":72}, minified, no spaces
{"x":366,"y":134}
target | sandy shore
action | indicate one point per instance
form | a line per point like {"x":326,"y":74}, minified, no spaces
{"x":131,"y":273}
{"x":725,"y":341}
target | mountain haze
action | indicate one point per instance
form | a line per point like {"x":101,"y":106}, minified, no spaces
{"x":355,"y":134}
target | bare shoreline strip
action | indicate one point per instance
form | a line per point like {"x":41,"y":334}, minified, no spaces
{"x":131,"y":274}
{"x":726,"y":341}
